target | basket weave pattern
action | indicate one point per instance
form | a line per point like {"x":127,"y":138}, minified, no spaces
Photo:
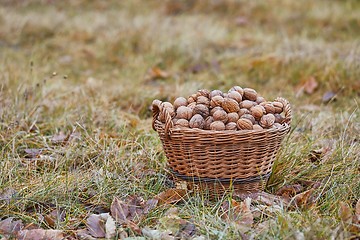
{"x":229,"y":155}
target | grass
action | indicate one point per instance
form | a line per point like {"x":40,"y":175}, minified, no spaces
{"x":82,"y":69}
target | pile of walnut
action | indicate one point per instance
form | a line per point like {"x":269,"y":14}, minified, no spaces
{"x":239,"y":109}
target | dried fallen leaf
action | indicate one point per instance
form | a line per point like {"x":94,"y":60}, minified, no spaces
{"x":303,"y":200}
{"x":171,"y":196}
{"x":262,"y":198}
{"x":307,"y":85}
{"x":7,"y":195}
{"x":60,"y":138}
{"x":357,"y":210}
{"x":289,"y":191}
{"x":150,"y":205}
{"x":54,"y":217}
{"x":328,"y":96}
{"x":84,"y":234}
{"x":157,"y":234}
{"x":32,"y":152}
{"x":186,"y":231}
{"x":40,"y":234}
{"x":10,"y":227}
{"x":238,"y":213}
{"x":345,"y":212}
{"x":119,"y":210}
{"x":96,"y":225}
{"x":110,"y":228}
{"x":156,"y":73}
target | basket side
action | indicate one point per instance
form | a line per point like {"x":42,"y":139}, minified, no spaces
{"x":231,"y":155}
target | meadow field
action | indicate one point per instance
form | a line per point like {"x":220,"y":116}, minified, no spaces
{"x":77,"y":79}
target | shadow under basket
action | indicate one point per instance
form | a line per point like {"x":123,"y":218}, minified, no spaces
{"x":217,"y":162}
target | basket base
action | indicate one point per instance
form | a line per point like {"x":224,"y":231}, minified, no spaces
{"x":216,"y":188}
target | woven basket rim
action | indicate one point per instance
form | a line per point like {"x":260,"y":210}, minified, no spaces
{"x":183,"y":130}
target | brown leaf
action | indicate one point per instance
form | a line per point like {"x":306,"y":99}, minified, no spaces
{"x":303,"y":200}
{"x":289,"y":191}
{"x":156,"y":73}
{"x":239,"y":213}
{"x":171,"y":196}
{"x":32,"y":152}
{"x":119,"y":210}
{"x":40,"y":234}
{"x":84,"y":234}
{"x":7,"y":195}
{"x":10,"y":227}
{"x":308,"y":85}
{"x":96,"y":225}
{"x":345,"y":212}
{"x":186,"y":231}
{"x":263,"y":198}
{"x":150,"y":205}
{"x":328,"y":96}
{"x":54,"y":217}
{"x":60,"y":138}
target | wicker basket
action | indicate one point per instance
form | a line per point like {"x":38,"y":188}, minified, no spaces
{"x":218,"y":161}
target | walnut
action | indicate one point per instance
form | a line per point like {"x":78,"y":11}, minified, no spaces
{"x":233,"y":117}
{"x":217,"y":126}
{"x":267,"y":121}
{"x":250,"y":94}
{"x":235,"y":95}
{"x":231,"y":126}
{"x":181,"y":123}
{"x":203,"y":92}
{"x":249,"y":117}
{"x":180,"y":101}
{"x":201,"y":109}
{"x":170,"y":109}
{"x":257,"y":111}
{"x":269,"y":108}
{"x":238,"y":89}
{"x":257,"y":127}
{"x":191,"y":106}
{"x":260,"y":100}
{"x":244,"y":124}
{"x":208,"y":121}
{"x":279,"y":118}
{"x":197,"y":121}
{"x":230,"y":105}
{"x":243,"y":111}
{"x":216,"y":101}
{"x":214,"y":93}
{"x":203,"y":100}
{"x":192,"y":98}
{"x":220,"y":115}
{"x":215,"y":109}
{"x":184,"y":113}
{"x":278,"y":107}
{"x":277,"y":125}
{"x":247,"y":104}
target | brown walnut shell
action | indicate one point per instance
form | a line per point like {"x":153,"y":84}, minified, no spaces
{"x":216,"y":101}
{"x":181,"y":123}
{"x":215,"y":109}
{"x":257,"y":111}
{"x":231,"y":126}
{"x":230,"y":105}
{"x":203,"y":92}
{"x":180,"y":101}
{"x":269,"y":108}
{"x":243,"y":111}
{"x":214,"y":93}
{"x":202,"y":110}
{"x":244,"y":124}
{"x":220,"y":115}
{"x":235,"y":95}
{"x":267,"y":121}
{"x":278,"y":118}
{"x":208,"y":121}
{"x":238,"y":89}
{"x":203,"y":100}
{"x":197,"y":121}
{"x":257,"y":127}
{"x":217,"y":126}
{"x":191,"y":105}
{"x":192,"y":98}
{"x":247,"y":104}
{"x":249,"y":117}
{"x":184,"y":113}
{"x":278,"y":107}
{"x":233,"y":117}
{"x":260,"y":99}
{"x":250,"y":94}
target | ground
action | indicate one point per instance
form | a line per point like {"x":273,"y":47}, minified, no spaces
{"x":77,"y":79}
